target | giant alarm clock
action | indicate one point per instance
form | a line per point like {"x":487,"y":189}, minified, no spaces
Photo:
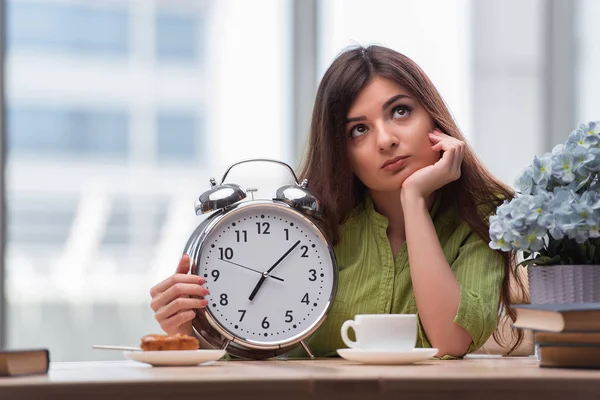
{"x":270,"y":269}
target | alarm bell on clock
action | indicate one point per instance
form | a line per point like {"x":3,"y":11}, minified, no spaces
{"x":270,"y":268}
{"x":225,"y":194}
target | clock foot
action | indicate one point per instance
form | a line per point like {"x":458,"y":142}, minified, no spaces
{"x":225,"y":344}
{"x":310,"y":354}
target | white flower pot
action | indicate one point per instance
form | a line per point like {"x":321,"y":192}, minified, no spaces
{"x":564,"y":284}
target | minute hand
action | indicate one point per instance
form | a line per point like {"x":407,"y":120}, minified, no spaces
{"x":262,"y":278}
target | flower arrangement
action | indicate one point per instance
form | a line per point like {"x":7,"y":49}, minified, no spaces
{"x":555,"y":215}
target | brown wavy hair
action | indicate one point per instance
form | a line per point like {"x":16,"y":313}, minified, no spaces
{"x":475,"y":195}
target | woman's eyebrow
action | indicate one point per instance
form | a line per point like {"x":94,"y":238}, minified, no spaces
{"x":393,"y":99}
{"x":385,"y":105}
{"x":354,"y":119}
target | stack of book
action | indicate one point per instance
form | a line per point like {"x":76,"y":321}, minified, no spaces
{"x":567,"y":335}
{"x":24,"y":362}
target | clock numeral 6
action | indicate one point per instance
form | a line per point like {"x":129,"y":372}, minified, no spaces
{"x":265,"y":228}
{"x":313,"y":275}
{"x":227,"y":253}
{"x":224,"y":300}
{"x":288,"y":316}
{"x":265,"y":324}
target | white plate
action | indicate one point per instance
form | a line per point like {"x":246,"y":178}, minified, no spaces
{"x":387,"y":357}
{"x":174,"y":357}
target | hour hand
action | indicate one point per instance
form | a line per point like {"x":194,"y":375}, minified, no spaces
{"x":258,"y":285}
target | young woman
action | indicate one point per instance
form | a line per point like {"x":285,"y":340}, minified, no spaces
{"x":406,"y":206}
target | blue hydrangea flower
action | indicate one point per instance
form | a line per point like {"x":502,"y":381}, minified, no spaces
{"x":558,"y":197}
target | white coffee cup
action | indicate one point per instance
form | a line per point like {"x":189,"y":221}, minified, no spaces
{"x":382,"y":332}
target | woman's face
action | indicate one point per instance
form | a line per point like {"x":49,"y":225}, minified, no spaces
{"x":387,"y":131}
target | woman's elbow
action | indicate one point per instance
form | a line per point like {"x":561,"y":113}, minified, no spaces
{"x":453,"y":350}
{"x":454,"y":345}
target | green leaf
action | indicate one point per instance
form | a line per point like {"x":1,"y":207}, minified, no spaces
{"x":590,"y":250}
{"x":526,"y":263}
{"x":541,"y":261}
{"x":554,"y":246}
{"x":580,"y":252}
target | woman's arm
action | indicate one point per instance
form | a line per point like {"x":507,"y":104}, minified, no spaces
{"x":457,"y":304}
{"x":437,"y":291}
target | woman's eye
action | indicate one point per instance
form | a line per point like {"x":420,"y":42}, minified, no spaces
{"x":401,"y":112}
{"x":358,"y":130}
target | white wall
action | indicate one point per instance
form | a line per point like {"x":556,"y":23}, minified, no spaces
{"x":434,"y":33}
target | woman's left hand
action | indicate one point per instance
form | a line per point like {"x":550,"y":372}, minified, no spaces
{"x":427,"y":180}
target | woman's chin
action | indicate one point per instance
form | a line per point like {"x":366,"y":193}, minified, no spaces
{"x":387,"y":187}
{"x":387,"y":182}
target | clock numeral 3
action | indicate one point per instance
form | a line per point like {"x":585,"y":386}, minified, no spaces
{"x":265,"y":324}
{"x":243,"y":234}
{"x":304,"y":251}
{"x":224,"y":300}
{"x":265,"y":228}
{"x":288,"y":316}
{"x":305,"y":299}
{"x":227,"y":253}
{"x":243,"y":314}
{"x":313,"y":275}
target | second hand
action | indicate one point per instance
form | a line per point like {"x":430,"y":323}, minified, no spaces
{"x":250,"y":269}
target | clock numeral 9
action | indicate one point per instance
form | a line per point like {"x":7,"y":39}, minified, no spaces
{"x":304,"y":251}
{"x":228,"y":253}
{"x":313,"y":275}
{"x":243,"y":314}
{"x":215,"y":274}
{"x":243,"y":234}
{"x":265,"y":228}
{"x":305,"y":299}
{"x":224,"y":300}
{"x":288,"y":316}
{"x":265,"y":324}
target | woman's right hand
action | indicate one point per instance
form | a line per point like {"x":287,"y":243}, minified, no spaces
{"x":175,"y":298}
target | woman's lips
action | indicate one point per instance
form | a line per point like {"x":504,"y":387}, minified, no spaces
{"x":395,"y":164}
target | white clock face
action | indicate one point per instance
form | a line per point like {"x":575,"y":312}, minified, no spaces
{"x":269,"y":271}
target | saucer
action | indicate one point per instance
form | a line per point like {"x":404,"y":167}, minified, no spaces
{"x":387,"y":357}
{"x":174,"y":357}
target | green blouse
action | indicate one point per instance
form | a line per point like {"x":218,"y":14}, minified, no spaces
{"x":373,"y":281}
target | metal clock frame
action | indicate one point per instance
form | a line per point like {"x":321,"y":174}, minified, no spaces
{"x":205,"y":324}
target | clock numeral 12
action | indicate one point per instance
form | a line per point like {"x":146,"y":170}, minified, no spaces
{"x":265,"y":228}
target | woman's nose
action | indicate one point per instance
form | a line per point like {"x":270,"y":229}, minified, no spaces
{"x":386,"y":139}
